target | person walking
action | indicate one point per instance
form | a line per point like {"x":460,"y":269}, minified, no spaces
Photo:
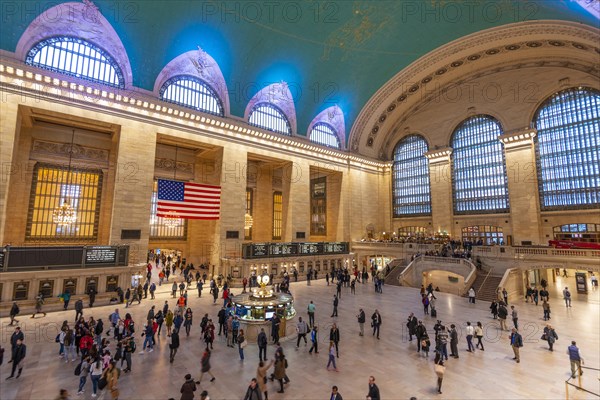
{"x":261,"y":377}
{"x":169,"y":321}
{"x":14,"y":311}
{"x":253,"y":391}
{"x":279,"y":373}
{"x":314,"y":338}
{"x":411,"y":325}
{"x":515,"y":317}
{"x":546,"y":308}
{"x":173,"y":345}
{"x":188,"y":321}
{"x":96,"y":374}
{"x":262,"y":341}
{"x":479,"y":335}
{"x":188,"y":388}
{"x":39,"y":302}
{"x":550,"y":336}
{"x":373,"y":393}
{"x":302,"y":330}
{"x":472,"y":296}
{"x":494,"y":309}
{"x":334,"y":336}
{"x":18,"y":356}
{"x":440,"y":370}
{"x":516,"y":342}
{"x":78,"y":309}
{"x":575,"y":359}
{"x":112,"y":379}
{"x":14,"y":338}
{"x":241,"y":342}
{"x":361,"y":322}
{"x":502,"y":314}
{"x":453,"y":341}
{"x":311,"y":314}
{"x":470,"y":331}
{"x":505,"y":296}
{"x":376,"y":322}
{"x":567,"y":296}
{"x":83,"y":374}
{"x":335,"y":395}
{"x":335,"y":306}
{"x":331,"y":356}
{"x":205,"y":367}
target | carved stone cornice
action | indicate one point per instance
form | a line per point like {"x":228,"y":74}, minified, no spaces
{"x":519,"y":138}
{"x":437,"y":156}
{"x":62,"y":150}
{"x":167,"y":164}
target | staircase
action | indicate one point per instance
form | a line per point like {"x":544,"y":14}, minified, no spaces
{"x":485,"y":286}
{"x":396,"y":267}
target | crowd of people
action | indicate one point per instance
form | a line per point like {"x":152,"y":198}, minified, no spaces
{"x":102,"y":350}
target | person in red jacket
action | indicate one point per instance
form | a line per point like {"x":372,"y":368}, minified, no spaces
{"x":85,"y":344}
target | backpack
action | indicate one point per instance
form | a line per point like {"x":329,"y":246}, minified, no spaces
{"x":568,"y":294}
{"x":78,"y":369}
{"x":133,"y":347}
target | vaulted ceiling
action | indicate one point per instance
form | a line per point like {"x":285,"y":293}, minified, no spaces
{"x":329,"y":52}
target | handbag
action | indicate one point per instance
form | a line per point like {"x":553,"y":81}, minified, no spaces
{"x":439,"y":370}
{"x":243,"y":344}
{"x":544,"y":337}
{"x":102,"y":383}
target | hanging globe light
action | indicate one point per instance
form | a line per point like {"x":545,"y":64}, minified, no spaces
{"x":64,"y":215}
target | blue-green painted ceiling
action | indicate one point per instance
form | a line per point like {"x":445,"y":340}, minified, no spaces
{"x":329,"y":52}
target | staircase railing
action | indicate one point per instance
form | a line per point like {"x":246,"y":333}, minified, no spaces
{"x":484,"y":280}
{"x":579,"y":387}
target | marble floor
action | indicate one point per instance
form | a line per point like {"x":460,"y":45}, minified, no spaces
{"x":399,"y":371}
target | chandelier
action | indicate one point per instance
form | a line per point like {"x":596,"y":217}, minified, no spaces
{"x":65,"y":214}
{"x":172,"y":220}
{"x":248,"y":221}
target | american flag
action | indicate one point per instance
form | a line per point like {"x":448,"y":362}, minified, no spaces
{"x":188,"y":200}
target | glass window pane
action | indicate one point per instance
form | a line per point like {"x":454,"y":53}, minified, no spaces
{"x":478,"y":167}
{"x":191,"y":92}
{"x":410,"y":182}
{"x":568,"y":149}
{"x":271,"y":118}
{"x":71,"y":56}
{"x":324,"y":134}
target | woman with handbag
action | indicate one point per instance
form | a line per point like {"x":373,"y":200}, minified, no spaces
{"x":96,"y":374}
{"x":439,"y":369}
{"x":112,"y":378}
{"x":241,"y":340}
{"x":550,"y":336}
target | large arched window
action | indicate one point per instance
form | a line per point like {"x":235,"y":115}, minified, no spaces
{"x":76,"y":57}
{"x":411,"y":190}
{"x":568,"y":150}
{"x":191,"y":92}
{"x":478,"y":167}
{"x":271,"y":118}
{"x":324,"y":134}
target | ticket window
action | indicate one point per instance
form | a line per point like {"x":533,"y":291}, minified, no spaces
{"x":112,"y":282}
{"x":20,"y":291}
{"x":318,"y":266}
{"x":91,"y":283}
{"x":47,"y":288}
{"x":70,"y":285}
{"x":301,"y":267}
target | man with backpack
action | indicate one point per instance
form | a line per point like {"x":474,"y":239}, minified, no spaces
{"x":78,"y":309}
{"x":567,"y":297}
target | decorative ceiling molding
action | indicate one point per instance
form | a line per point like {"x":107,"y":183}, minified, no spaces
{"x":469,"y":52}
{"x":333,"y":116}
{"x":199,"y":64}
{"x":277,"y":94}
{"x":392,"y":133}
{"x":83,"y":20}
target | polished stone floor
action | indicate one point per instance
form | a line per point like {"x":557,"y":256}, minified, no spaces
{"x":399,"y":371}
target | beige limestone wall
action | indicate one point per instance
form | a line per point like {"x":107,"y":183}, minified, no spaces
{"x":523,"y":189}
{"x":441,"y":279}
{"x":12,"y":170}
{"x":132,"y":193}
{"x":441,"y":196}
